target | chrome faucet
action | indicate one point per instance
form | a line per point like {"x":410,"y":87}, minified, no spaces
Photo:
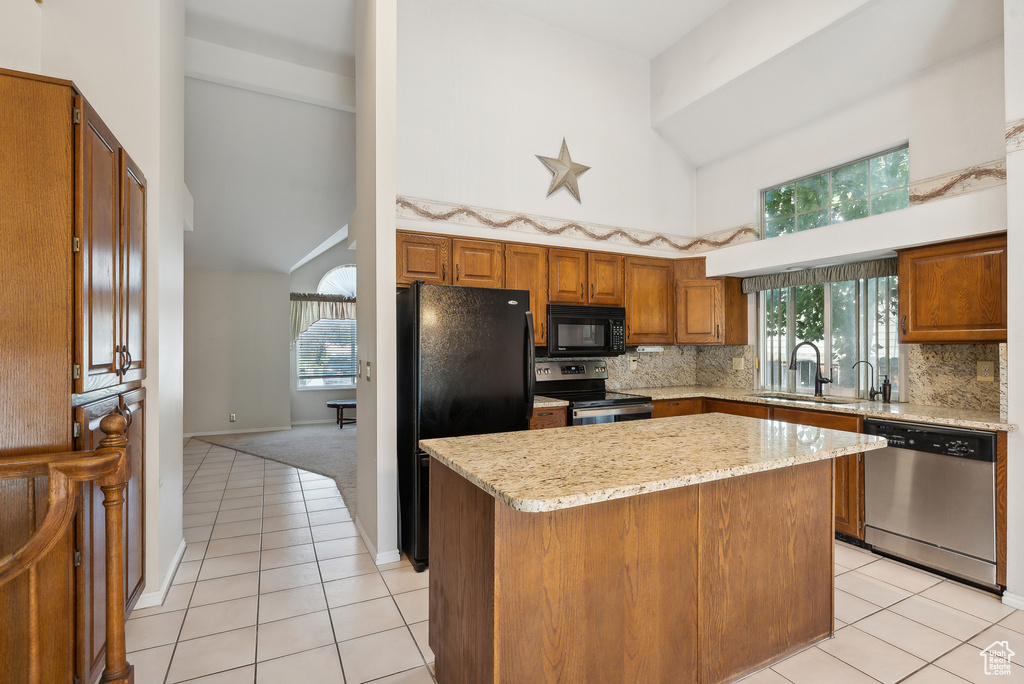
{"x":872,"y":392}
{"x":819,"y":379}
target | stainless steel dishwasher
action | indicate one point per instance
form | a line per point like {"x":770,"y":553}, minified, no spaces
{"x":929,"y":497}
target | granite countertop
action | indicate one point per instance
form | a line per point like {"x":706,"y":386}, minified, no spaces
{"x":915,"y":413}
{"x":546,"y":470}
{"x":547,"y":402}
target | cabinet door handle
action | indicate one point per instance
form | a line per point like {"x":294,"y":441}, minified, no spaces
{"x":583,"y":291}
{"x":591,"y":290}
{"x":673,"y":404}
{"x":542,"y":330}
{"x":458,"y":272}
{"x":718,"y":331}
{"x":118,"y":359}
{"x":903,"y":324}
{"x":444,"y":271}
{"x":549,"y":413}
{"x":127,"y":360}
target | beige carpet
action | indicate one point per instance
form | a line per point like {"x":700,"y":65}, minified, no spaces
{"x":322,"y":449}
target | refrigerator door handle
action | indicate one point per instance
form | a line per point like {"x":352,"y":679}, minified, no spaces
{"x":529,"y":370}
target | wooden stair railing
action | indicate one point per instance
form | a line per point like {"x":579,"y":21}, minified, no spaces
{"x":109,"y":467}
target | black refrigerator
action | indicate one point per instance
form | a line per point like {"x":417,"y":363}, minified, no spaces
{"x":465,"y":367}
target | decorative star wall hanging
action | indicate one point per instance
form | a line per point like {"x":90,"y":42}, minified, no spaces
{"x":564,"y":172}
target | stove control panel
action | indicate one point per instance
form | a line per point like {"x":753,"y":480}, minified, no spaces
{"x":570,"y":370}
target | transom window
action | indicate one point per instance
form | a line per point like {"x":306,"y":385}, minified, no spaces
{"x":868,"y":186}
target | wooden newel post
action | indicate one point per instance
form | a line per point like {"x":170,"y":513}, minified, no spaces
{"x":116,"y":669}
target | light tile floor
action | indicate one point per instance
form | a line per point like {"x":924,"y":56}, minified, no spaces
{"x":277,"y":587}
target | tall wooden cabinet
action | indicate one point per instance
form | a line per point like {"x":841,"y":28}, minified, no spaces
{"x":526,"y":268}
{"x":72,"y":250}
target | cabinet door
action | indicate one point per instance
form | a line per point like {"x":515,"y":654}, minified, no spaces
{"x":423,"y":257}
{"x":738,"y":408}
{"x":526,"y":268}
{"x":954,"y":291}
{"x":567,"y":276}
{"x":699,"y":312}
{"x":133,"y":405}
{"x":605,"y":276}
{"x":649,"y":298}
{"x":97,"y":289}
{"x":92,"y":538}
{"x":478,"y":263}
{"x":849,"y":488}
{"x":548,"y":418}
{"x":133,"y":271}
{"x":666,"y":408}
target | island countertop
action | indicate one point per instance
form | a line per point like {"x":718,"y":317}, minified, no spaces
{"x":545,"y":470}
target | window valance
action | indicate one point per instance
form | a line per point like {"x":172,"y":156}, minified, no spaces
{"x":308,"y":308}
{"x":824,"y":274}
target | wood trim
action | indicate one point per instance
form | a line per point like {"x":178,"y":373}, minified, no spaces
{"x":1001,"y":508}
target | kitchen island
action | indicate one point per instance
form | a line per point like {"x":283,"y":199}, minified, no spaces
{"x":689,"y":549}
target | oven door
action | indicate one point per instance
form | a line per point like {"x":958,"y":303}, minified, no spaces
{"x":611,"y":414}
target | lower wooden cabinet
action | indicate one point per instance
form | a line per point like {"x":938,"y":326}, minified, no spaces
{"x":849,"y":470}
{"x":738,"y":408}
{"x":548,"y":418}
{"x":91,"y":528}
{"x":666,"y":408}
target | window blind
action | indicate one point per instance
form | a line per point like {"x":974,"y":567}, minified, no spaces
{"x":327,"y":350}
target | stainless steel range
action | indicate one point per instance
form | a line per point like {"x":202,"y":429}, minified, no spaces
{"x":582,"y":384}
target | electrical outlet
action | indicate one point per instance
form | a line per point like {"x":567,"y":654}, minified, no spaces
{"x":737,"y":363}
{"x":986,"y":371}
{"x":232,"y":417}
{"x":633,"y":360}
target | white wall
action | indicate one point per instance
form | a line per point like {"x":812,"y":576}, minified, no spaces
{"x":373,"y":228}
{"x":127,"y":59}
{"x":1013,"y":25}
{"x":482,"y":91}
{"x":308,"y":406}
{"x":952,"y":116}
{"x":236,"y":351}
{"x":20,"y":35}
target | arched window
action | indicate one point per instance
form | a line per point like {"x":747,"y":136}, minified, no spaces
{"x":326,"y":352}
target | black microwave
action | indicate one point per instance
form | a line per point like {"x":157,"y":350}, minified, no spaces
{"x":586,"y":330}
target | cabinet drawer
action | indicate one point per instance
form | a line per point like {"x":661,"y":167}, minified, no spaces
{"x":548,"y":418}
{"x":738,"y":408}
{"x":666,"y":408}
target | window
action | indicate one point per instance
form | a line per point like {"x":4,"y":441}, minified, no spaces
{"x":325,"y":352}
{"x":848,"y":321}
{"x":873,"y":185}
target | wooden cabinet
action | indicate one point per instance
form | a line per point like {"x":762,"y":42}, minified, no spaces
{"x":849,"y":470}
{"x":91,"y":524}
{"x":567,"y":276}
{"x":548,"y":418}
{"x":738,"y":408}
{"x":478,"y":263}
{"x":605,"y":278}
{"x":72,"y":250}
{"x":666,"y":408}
{"x":423,"y":257}
{"x":649,"y":301}
{"x":953,"y":292}
{"x":526,"y":268}
{"x":710,"y":311}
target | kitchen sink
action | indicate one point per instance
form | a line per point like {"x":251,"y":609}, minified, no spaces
{"x":807,"y":397}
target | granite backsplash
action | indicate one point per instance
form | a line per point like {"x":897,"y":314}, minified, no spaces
{"x":946,"y":375}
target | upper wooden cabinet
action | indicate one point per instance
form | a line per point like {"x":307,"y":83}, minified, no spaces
{"x":604,"y":275}
{"x":567,"y":276}
{"x":478,"y":263}
{"x":423,"y":257}
{"x":953,"y":292}
{"x":526,"y":268}
{"x":710,"y":311}
{"x":649,"y":309}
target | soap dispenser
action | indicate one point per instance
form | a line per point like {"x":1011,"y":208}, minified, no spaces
{"x":886,"y":389}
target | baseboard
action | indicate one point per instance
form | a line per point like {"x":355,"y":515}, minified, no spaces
{"x":1013,"y":600}
{"x":150,"y":599}
{"x":378,"y":558}
{"x":189,"y":435}
{"x":325,"y":421}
